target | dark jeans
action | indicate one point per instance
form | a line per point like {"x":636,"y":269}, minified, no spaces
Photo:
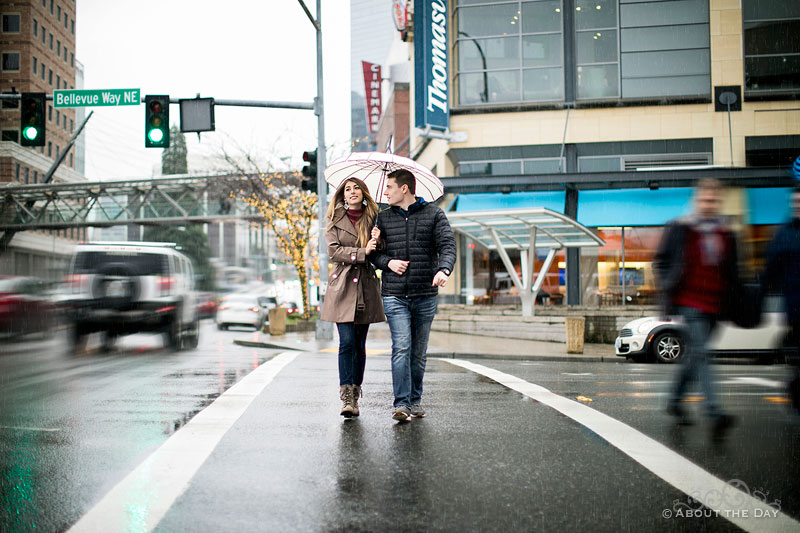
{"x":352,"y":352}
{"x":410,"y":322}
{"x":695,"y":364}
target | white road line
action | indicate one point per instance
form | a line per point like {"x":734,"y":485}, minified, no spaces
{"x":750,"y":380}
{"x":23,"y":428}
{"x":731,"y":503}
{"x":143,"y":497}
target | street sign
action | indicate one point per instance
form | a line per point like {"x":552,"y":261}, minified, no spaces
{"x":102,"y":97}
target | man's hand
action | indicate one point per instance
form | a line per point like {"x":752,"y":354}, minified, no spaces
{"x":371,"y":245}
{"x":398,"y":266}
{"x":440,"y":279}
{"x":376,"y":233}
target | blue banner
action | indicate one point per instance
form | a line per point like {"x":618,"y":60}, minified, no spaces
{"x":431,"y":65}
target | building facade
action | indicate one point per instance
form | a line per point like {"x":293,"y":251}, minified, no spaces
{"x":607,"y":111}
{"x":37,"y":48}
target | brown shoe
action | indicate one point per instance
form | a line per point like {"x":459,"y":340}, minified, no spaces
{"x":356,"y":396}
{"x":346,"y":395}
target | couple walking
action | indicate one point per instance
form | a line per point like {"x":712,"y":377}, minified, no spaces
{"x":412,"y":243}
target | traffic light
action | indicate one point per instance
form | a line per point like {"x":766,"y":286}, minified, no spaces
{"x":156,"y":125}
{"x":32,"y":119}
{"x":310,"y":171}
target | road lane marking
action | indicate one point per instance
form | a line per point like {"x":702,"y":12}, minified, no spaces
{"x":23,"y":428}
{"x":751,"y":380}
{"x":670,"y":466}
{"x":143,"y":497}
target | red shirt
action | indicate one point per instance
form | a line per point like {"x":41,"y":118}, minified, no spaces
{"x":702,"y":283}
{"x":354,"y":215}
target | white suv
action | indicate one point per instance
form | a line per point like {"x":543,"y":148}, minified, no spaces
{"x":119,"y":288}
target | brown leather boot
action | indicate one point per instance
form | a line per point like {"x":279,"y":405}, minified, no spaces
{"x":346,"y":394}
{"x":356,"y":396}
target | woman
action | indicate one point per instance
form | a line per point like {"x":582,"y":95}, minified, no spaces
{"x":353,"y":298}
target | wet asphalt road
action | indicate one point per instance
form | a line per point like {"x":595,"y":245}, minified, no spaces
{"x":486,"y":458}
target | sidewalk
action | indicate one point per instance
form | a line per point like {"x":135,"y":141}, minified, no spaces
{"x":443,"y":344}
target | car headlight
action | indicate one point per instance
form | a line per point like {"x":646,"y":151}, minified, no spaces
{"x":645,"y":327}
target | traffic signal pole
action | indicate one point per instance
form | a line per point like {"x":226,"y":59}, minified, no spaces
{"x":324,"y":329}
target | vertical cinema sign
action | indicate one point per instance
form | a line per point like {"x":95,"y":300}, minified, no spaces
{"x":372,"y":90}
{"x":431,"y":67}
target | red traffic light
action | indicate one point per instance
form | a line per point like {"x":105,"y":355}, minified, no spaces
{"x":155,"y":106}
{"x":310,"y":157}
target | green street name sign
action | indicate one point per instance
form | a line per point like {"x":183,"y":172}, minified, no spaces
{"x":103,"y":97}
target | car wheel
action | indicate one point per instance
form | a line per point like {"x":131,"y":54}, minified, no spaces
{"x":194,"y":336}
{"x":77,"y":338}
{"x":668,"y":347}
{"x":107,"y":340}
{"x":173,"y":336}
{"x":221,"y":327}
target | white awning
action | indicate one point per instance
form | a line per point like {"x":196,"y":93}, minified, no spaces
{"x":524,"y":229}
{"x":513,"y":228}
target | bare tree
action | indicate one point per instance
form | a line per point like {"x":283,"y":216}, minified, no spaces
{"x":288,"y":210}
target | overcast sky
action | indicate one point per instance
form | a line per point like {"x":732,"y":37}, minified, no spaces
{"x":238,"y":49}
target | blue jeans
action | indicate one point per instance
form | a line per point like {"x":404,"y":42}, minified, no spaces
{"x":694,"y":364}
{"x":410,"y":322}
{"x":352,"y":352}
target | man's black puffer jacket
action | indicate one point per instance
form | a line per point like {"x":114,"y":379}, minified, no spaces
{"x":421,"y":236}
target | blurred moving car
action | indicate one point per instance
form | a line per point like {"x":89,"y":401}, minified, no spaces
{"x":292,"y":307}
{"x":119,"y":288}
{"x":652,"y":338}
{"x":240,"y":310}
{"x":25,"y":306}
{"x":207,"y":305}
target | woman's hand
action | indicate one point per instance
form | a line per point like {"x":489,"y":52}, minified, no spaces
{"x":371,"y":245}
{"x":376,"y":233}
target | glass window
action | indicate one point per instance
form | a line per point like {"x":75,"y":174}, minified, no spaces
{"x":595,"y":14}
{"x":509,"y":51}
{"x":598,"y":81}
{"x":771,"y":45}
{"x":543,"y":84}
{"x":10,"y":23}
{"x":489,"y":20}
{"x":27,"y":175}
{"x":35,"y":65}
{"x":10,"y":135}
{"x":10,"y":104}
{"x":539,"y":17}
{"x":41,"y":68}
{"x":10,"y":60}
{"x":666,"y":86}
{"x":35,"y":28}
{"x":44,"y":36}
{"x":50,"y":76}
{"x":770,"y":9}
{"x":666,"y":63}
{"x":596,"y":46}
{"x":542,"y":166}
{"x":51,"y":41}
{"x":541,"y":50}
{"x":494,"y":168}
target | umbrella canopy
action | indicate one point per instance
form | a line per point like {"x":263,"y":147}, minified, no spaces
{"x":373,"y":167}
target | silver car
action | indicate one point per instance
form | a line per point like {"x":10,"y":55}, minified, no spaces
{"x":240,"y":310}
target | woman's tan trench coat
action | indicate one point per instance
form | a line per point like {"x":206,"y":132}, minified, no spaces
{"x":353,"y":285}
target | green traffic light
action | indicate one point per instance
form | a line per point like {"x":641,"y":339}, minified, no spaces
{"x":30,"y":133}
{"x":155,"y":135}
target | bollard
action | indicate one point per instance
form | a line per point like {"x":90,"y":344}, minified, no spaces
{"x":575,"y":326}
{"x":277,"y":321}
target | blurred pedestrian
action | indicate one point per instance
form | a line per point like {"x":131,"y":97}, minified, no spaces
{"x":417,"y":253}
{"x":353,"y":296}
{"x":783,"y":273}
{"x":697,"y":272}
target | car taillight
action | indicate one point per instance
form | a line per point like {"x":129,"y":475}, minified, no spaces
{"x":75,"y":281}
{"x":223,"y":307}
{"x":254,"y":309}
{"x":165,"y":284}
{"x":7,"y":302}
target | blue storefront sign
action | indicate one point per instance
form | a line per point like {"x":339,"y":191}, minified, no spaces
{"x":432,"y":80}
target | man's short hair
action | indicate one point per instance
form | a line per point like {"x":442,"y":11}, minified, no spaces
{"x":402,"y":177}
{"x":708,"y":184}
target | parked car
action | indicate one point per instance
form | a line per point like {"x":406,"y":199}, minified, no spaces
{"x":25,"y":307}
{"x":207,"y":305}
{"x":119,"y":288}
{"x":652,"y":338}
{"x":240,"y":310}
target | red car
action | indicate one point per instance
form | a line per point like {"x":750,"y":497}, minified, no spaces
{"x":207,"y":305}
{"x":24,"y":306}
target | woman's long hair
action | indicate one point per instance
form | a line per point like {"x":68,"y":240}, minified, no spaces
{"x":367,"y":220}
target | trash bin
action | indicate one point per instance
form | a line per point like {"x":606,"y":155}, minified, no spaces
{"x":277,"y":321}
{"x":575,"y":326}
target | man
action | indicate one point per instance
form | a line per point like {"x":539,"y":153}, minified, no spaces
{"x":783,"y":273}
{"x":696,"y":267}
{"x":417,"y":255}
